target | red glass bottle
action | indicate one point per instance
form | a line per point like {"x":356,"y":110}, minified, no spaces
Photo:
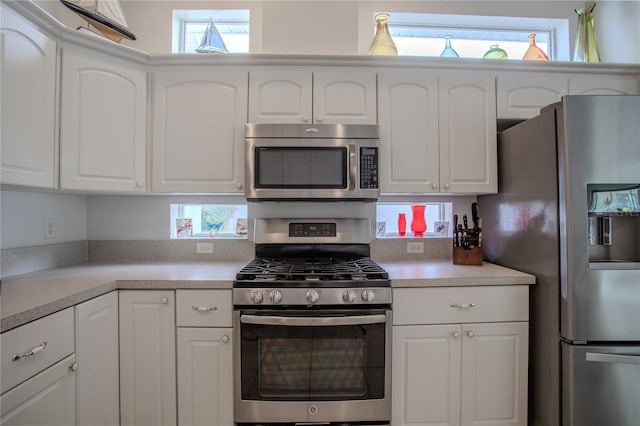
{"x":418,"y":224}
{"x":402,"y":224}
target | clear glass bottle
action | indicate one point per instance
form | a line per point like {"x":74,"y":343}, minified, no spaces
{"x":534,"y":53}
{"x":448,"y":51}
{"x":382,"y":43}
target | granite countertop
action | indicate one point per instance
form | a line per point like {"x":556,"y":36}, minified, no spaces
{"x":31,"y":296}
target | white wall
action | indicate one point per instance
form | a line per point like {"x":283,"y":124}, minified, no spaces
{"x":22,"y":214}
{"x":346,"y":27}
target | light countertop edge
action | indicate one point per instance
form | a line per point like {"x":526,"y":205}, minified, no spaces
{"x":28,"y":297}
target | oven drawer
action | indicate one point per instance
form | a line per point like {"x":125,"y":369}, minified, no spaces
{"x":31,"y":348}
{"x":446,"y":305}
{"x":203,"y":308}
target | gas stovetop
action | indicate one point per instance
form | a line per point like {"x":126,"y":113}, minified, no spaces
{"x":283,"y":271}
{"x":311,"y":262}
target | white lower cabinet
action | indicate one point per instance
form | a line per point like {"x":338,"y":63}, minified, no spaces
{"x":205,"y":358}
{"x":147,"y":357}
{"x":49,"y":398}
{"x":463,"y":372}
{"x":39,"y":372}
{"x":97,"y":355}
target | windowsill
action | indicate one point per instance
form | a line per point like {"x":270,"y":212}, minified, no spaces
{"x":215,"y":237}
{"x":410,"y":237}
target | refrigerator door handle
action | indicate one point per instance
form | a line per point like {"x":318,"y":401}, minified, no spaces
{"x":613,"y":358}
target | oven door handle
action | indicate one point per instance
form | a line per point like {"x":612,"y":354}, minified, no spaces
{"x":312,"y":321}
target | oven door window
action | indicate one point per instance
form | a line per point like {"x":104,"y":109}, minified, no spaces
{"x":295,"y":167}
{"x":321,"y":363}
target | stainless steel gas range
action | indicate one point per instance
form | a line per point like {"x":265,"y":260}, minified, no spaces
{"x":312,"y":323}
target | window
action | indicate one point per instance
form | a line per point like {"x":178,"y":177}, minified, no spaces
{"x":436,"y":215}
{"x":189,"y":27}
{"x":208,"y":220}
{"x":419,"y":34}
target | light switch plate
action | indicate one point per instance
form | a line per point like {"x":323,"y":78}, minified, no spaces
{"x":415,"y":247}
{"x":206,"y":248}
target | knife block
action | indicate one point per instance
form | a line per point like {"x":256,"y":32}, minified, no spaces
{"x":472,"y":256}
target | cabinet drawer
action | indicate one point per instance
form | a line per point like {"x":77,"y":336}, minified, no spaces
{"x":203,"y":308}
{"x":445,"y":305}
{"x":57,"y":330}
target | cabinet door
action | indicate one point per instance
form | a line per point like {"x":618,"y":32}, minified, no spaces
{"x":344,"y":97}
{"x":521,"y":95}
{"x":280,"y":96}
{"x":198,"y":137}
{"x":494,"y":373}
{"x":97,"y":354}
{"x":28,"y":72}
{"x":103,"y":122}
{"x":408,"y":109}
{"x":468,"y":133}
{"x":603,"y":85}
{"x":48,"y":398}
{"x":205,"y":377}
{"x":426,"y":375}
{"x":147,"y":358}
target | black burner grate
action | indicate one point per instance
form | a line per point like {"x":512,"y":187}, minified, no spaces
{"x":302,"y":269}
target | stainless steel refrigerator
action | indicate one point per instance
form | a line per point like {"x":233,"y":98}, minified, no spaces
{"x":567,"y":212}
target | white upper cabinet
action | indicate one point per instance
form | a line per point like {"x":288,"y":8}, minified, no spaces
{"x":338,"y":95}
{"x":468,"y":133}
{"x":28,"y":70}
{"x":438,"y":132}
{"x":408,"y":106}
{"x":603,"y":85}
{"x":280,"y":96}
{"x":103,"y":122}
{"x":198,"y":130}
{"x":521,"y":95}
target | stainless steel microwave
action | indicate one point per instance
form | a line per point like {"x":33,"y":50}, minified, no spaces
{"x":319,"y":162}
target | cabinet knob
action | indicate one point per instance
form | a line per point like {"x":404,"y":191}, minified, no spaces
{"x":446,"y":186}
{"x":225,"y":339}
{"x":239,"y":185}
{"x":305,"y":119}
{"x":434,"y":185}
{"x":74,"y":366}
{"x":164,"y":300}
{"x":470,"y":333}
{"x":455,"y":334}
{"x":319,"y":119}
{"x":139,"y":184}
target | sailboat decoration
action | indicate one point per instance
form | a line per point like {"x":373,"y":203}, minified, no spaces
{"x":105,"y":15}
{"x":212,"y":41}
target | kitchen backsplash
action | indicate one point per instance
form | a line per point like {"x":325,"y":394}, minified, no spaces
{"x":29,"y":259}
{"x":22,"y":260}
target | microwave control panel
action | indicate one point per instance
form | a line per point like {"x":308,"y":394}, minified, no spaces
{"x":368,"y":168}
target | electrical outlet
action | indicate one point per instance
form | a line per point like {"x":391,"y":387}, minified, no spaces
{"x":415,"y":247}
{"x":49,"y":229}
{"x":204,"y":248}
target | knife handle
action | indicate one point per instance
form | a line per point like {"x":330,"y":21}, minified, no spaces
{"x":464,"y":221}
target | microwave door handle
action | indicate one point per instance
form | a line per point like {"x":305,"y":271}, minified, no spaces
{"x":313,"y":321}
{"x":613,"y":358}
{"x":353,"y":167}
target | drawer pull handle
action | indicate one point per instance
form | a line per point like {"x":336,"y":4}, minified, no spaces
{"x":204,"y":308}
{"x":462,"y":305}
{"x":30,"y":352}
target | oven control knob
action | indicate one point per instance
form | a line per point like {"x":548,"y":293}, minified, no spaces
{"x":349,"y":296}
{"x":255,"y":296}
{"x":275,"y":296}
{"x":312,"y":296}
{"x":368,"y":295}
